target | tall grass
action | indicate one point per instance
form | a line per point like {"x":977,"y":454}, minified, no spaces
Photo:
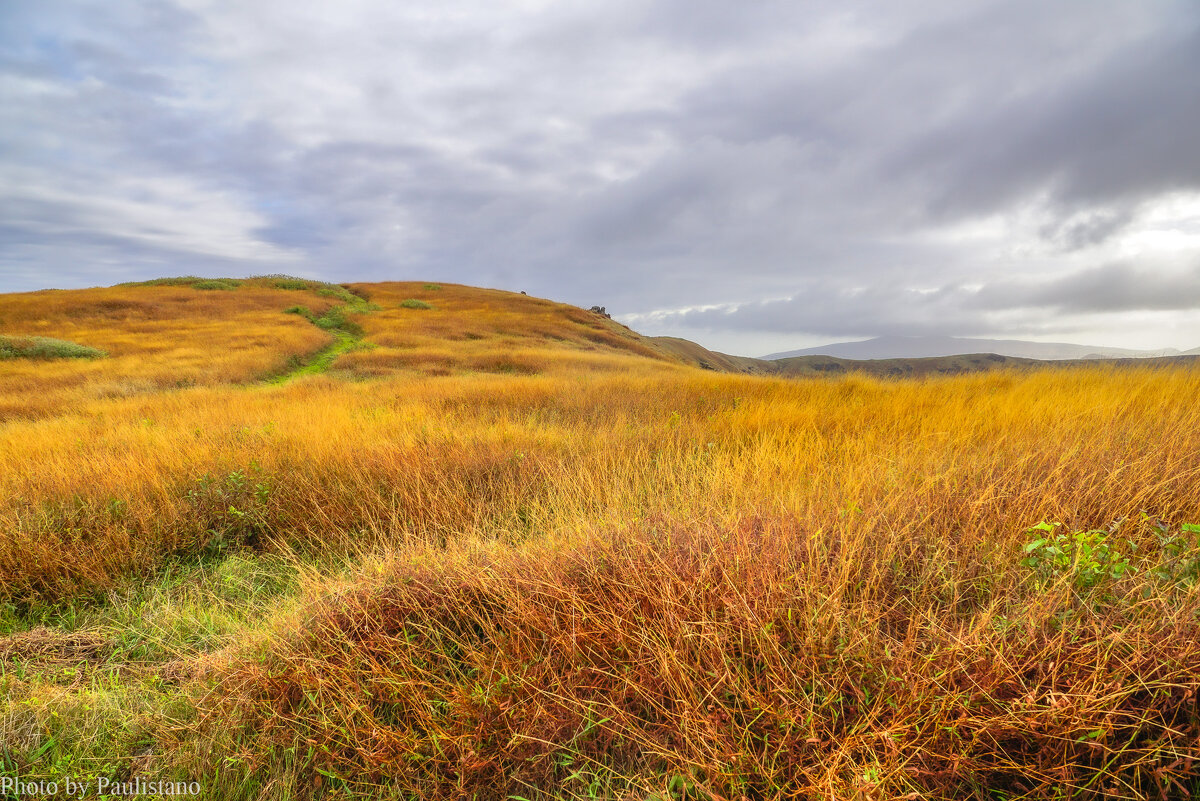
{"x":567,"y":567}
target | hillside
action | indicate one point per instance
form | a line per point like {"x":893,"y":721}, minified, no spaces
{"x":62,"y":349}
{"x":811,"y":366}
{"x":178,"y":333}
{"x":285,"y":540}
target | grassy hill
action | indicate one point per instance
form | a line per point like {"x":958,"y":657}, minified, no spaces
{"x":297,"y":540}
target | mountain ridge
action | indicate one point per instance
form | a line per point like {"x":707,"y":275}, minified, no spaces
{"x":916,"y":347}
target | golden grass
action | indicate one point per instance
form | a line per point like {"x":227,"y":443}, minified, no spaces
{"x":156,"y":337}
{"x":473,"y":330}
{"x":579,"y":567}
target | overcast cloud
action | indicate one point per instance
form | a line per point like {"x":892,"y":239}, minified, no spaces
{"x":758,"y":176}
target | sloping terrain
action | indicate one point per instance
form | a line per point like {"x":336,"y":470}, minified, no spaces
{"x":158,"y":336}
{"x":416,"y":541}
{"x":177,"y":333}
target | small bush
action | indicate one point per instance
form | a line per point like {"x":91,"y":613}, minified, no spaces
{"x":432,"y":287}
{"x":232,"y":512}
{"x":337,"y":292}
{"x":45,"y":348}
{"x":303,"y":311}
{"x":413,"y":303}
{"x":336,"y":319}
{"x":1088,"y":557}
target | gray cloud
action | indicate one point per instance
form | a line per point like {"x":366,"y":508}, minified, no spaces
{"x":935,"y":167}
{"x":1038,"y":307}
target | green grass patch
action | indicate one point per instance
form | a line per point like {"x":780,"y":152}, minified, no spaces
{"x":322,"y":360}
{"x":432,"y":287}
{"x":337,"y":319}
{"x":217,"y":283}
{"x":12,"y":347}
{"x":183,"y":280}
{"x":339,"y":293}
{"x":413,"y":303}
{"x":303,"y":311}
{"x":93,"y":690}
{"x":192,"y":281}
{"x":295,"y":283}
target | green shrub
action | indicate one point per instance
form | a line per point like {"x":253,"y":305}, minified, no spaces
{"x":45,"y":348}
{"x":338,"y":292}
{"x":1088,"y":557}
{"x":336,"y":319}
{"x":1178,"y":552}
{"x":303,"y":311}
{"x":413,"y":303}
{"x":432,"y":287}
{"x":232,"y":512}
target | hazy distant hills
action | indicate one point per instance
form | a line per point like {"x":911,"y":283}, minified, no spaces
{"x":928,"y":347}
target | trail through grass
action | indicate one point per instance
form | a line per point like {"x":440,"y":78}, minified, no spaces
{"x":321,"y":361}
{"x":348,"y":334}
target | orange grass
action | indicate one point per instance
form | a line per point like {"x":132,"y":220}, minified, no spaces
{"x":596,"y":571}
{"x":157,"y":338}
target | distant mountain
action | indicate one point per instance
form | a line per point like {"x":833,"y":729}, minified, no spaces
{"x":1192,"y":352}
{"x":927,"y":347}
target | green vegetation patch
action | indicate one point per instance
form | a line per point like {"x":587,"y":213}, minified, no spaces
{"x":1093,"y":560}
{"x":189,"y":280}
{"x":295,"y":283}
{"x":334,"y":320}
{"x":432,"y":287}
{"x":338,"y":293}
{"x":45,"y":348}
{"x":217,"y":283}
{"x":413,"y":303}
{"x":338,"y":321}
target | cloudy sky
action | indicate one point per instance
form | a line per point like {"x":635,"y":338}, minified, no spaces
{"x":757,"y":175}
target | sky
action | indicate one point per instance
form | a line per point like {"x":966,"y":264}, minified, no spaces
{"x":756,"y":175}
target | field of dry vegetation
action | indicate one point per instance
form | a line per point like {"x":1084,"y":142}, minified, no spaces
{"x":298,"y":541}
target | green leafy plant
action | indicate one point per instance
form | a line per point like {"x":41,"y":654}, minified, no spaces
{"x":1179,"y":552}
{"x":1088,"y":557}
{"x":413,"y":303}
{"x":233,"y":510}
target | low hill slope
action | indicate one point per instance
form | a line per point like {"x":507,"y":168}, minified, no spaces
{"x":699,"y":356}
{"x":441,"y":329}
{"x":158,"y":335}
{"x":181,"y":332}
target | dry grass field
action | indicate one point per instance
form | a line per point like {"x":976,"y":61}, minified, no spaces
{"x":422,"y":541}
